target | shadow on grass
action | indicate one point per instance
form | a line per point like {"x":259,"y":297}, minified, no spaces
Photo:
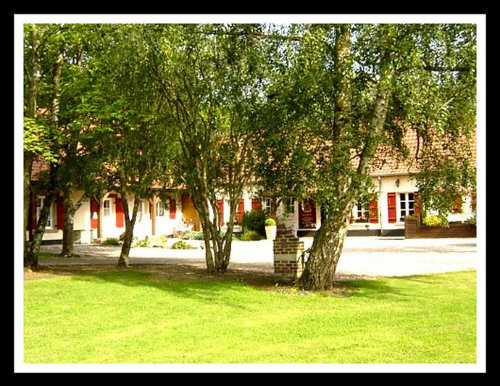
{"x":179,"y":280}
{"x":190,"y":281}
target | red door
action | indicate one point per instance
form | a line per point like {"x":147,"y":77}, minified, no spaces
{"x":307,"y":215}
{"x":60,"y":212}
{"x":94,"y":208}
{"x":119,"y":212}
{"x":240,"y":212}
{"x":172,"y":206}
{"x":220,"y":207}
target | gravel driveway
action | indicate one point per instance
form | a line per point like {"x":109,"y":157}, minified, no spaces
{"x":366,"y":256}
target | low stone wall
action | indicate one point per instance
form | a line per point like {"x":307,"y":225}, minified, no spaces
{"x":415,"y":230}
{"x":287,"y":251}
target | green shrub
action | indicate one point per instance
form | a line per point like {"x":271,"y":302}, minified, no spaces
{"x":253,"y":220}
{"x":471,"y":220}
{"x":159,"y":241}
{"x":250,"y":236}
{"x":181,"y":244}
{"x":110,"y":241}
{"x":270,"y":222}
{"x":435,"y":221}
{"x":193,"y":235}
{"x":141,"y":243}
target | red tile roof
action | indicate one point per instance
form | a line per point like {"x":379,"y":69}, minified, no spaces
{"x":389,"y":162}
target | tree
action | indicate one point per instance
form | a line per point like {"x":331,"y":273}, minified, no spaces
{"x":211,"y":78}
{"x":351,"y":88}
{"x":43,"y":66}
{"x":77,"y":46}
{"x":130,"y":138}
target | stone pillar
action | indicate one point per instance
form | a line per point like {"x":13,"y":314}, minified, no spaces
{"x":287,"y":250}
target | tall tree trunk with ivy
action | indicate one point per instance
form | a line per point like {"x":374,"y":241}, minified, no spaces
{"x":328,"y":243}
{"x":34,"y":75}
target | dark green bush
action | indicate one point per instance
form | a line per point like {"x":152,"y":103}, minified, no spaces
{"x":253,"y":220}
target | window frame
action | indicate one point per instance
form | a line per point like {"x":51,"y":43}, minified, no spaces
{"x":407,"y":210}
{"x":106,"y":210}
{"x":160,"y":209}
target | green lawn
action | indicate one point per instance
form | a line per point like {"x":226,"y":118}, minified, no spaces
{"x":134,"y":317}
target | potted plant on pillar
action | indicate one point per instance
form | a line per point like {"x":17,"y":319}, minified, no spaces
{"x":270,"y":226}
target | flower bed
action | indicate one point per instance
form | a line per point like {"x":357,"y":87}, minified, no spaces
{"x":414,"y":230}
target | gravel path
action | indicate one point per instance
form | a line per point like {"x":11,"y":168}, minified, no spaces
{"x":363,"y":256}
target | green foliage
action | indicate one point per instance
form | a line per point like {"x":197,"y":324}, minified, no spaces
{"x":321,"y":117}
{"x":444,"y":177}
{"x":111,"y":241}
{"x":159,"y":241}
{"x":472,"y":220}
{"x":254,"y":221}
{"x":250,"y":236}
{"x":193,"y":235}
{"x":435,"y":221}
{"x":270,"y":222}
{"x":141,"y":243}
{"x":181,"y":244}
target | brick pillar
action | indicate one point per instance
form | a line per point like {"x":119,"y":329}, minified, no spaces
{"x":287,"y":250}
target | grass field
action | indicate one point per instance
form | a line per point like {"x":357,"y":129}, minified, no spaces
{"x":132,"y":316}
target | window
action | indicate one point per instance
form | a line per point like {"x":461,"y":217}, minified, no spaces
{"x":160,"y":209}
{"x":39,"y":206}
{"x":291,"y":205}
{"x":106,"y":208}
{"x":361,"y":213}
{"x":406,"y":205}
{"x":268,"y":205}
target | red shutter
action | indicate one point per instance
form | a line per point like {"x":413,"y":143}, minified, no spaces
{"x":173,"y":207}
{"x":417,"y":203}
{"x":256,"y":204}
{"x":220,"y":207}
{"x":240,"y":212}
{"x":94,"y":208}
{"x":374,"y":212}
{"x":391,"y":206}
{"x":119,"y":212}
{"x":60,"y":212}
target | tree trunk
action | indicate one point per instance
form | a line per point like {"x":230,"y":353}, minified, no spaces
{"x":68,"y":225}
{"x":28,"y":161}
{"x":321,"y":265}
{"x":217,"y":247}
{"x":123,"y":260}
{"x":34,"y":75}
{"x":31,"y":257}
{"x":329,"y":241}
